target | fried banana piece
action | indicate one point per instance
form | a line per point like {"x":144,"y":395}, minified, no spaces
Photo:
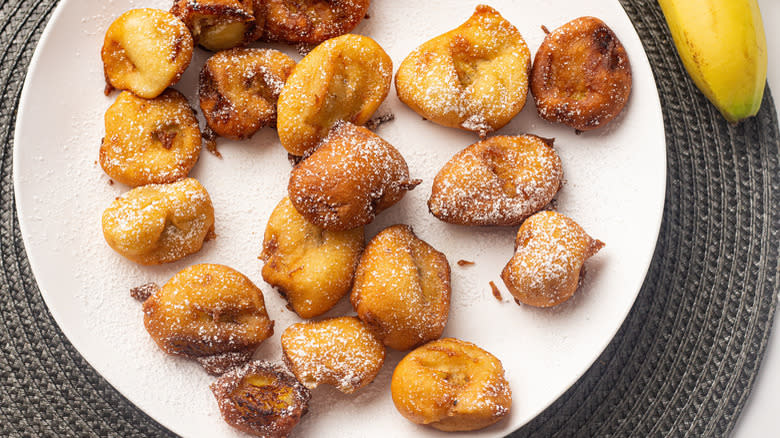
{"x":150,"y":141}
{"x":146,"y":51}
{"x":209,"y":312}
{"x":239,"y":89}
{"x":160,"y":223}
{"x":308,"y":21}
{"x":310,"y":267}
{"x":342,"y":352}
{"x":474,"y":77}
{"x":498,"y":181}
{"x":550,"y":250}
{"x":344,"y":78}
{"x":261,"y":399}
{"x":217,"y":24}
{"x":451,"y":385}
{"x":581,"y":75}
{"x":351,"y":177}
{"x":402,"y":289}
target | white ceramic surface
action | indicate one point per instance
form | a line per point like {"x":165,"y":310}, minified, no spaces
{"x":615,"y":184}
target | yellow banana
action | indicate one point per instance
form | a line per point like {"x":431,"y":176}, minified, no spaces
{"x":723,"y":47}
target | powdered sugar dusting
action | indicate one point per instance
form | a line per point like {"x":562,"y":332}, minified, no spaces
{"x":236,"y":62}
{"x":309,"y":21}
{"x":448,"y":382}
{"x":207,"y":311}
{"x":352,"y":176}
{"x":150,"y":141}
{"x":160,"y":223}
{"x":341,"y":352}
{"x":402,"y":289}
{"x":551,"y":249}
{"x":239,"y":89}
{"x":311,"y":267}
{"x":474,"y":77}
{"x":220,"y":363}
{"x":345,"y":78}
{"x":499,"y":181}
{"x":143,"y":292}
{"x":145,"y":51}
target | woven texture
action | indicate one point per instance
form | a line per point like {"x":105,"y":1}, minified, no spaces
{"x":683,"y":362}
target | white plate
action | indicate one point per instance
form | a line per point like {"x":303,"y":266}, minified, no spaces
{"x":615,"y":183}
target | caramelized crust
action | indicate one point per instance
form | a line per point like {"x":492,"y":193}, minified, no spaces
{"x":342,"y":352}
{"x":581,"y":75}
{"x":344,"y":78}
{"x":402,"y":289}
{"x":224,"y":24}
{"x":160,"y":223}
{"x":262,"y":399}
{"x":550,"y":251}
{"x":311,"y":267}
{"x":351,"y":177}
{"x":498,"y":181}
{"x":451,"y":385}
{"x":150,"y":141}
{"x":146,"y":51}
{"x":308,"y":21}
{"x":239,"y":89}
{"x":474,"y":77}
{"x":206,"y":311}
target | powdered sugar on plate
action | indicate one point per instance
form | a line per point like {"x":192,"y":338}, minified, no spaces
{"x":615,"y":187}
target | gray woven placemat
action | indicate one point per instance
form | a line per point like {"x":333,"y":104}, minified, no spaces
{"x":683,"y":362}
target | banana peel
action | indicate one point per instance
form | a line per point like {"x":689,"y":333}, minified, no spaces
{"x":723,"y":47}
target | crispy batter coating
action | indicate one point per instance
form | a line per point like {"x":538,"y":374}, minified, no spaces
{"x":498,"y":181}
{"x":239,"y":89}
{"x":150,"y":141}
{"x":351,"y":177}
{"x":217,"y":24}
{"x":342,"y":352}
{"x":402,"y":289}
{"x":474,"y":77}
{"x":160,"y":223}
{"x":208,"y":312}
{"x":224,"y":24}
{"x":581,"y":75}
{"x":262,"y":399}
{"x":308,"y":21}
{"x":344,"y":78}
{"x":550,"y":250}
{"x":311,"y":267}
{"x":451,"y":385}
{"x":146,"y":51}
